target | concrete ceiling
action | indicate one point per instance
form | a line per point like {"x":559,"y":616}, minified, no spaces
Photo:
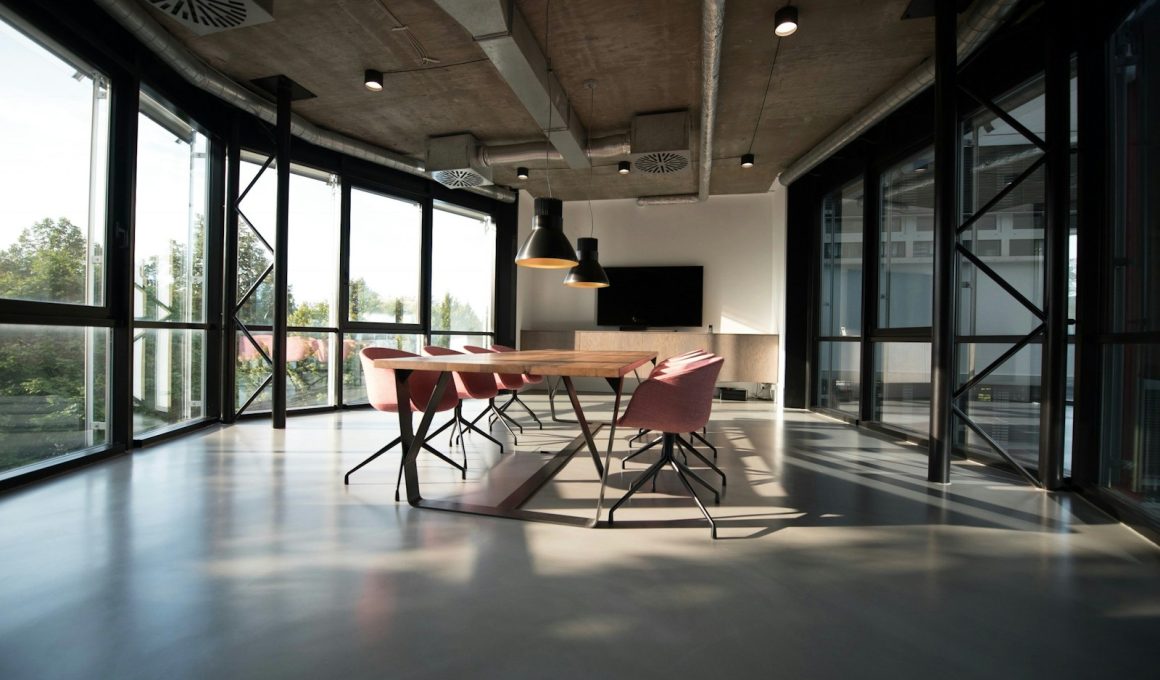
{"x":644,"y":56}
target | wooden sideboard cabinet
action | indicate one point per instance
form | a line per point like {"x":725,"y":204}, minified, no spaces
{"x":748,"y":357}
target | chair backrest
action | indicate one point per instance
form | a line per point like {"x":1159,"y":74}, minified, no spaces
{"x":380,"y":383}
{"x":530,"y":378}
{"x":505,"y":381}
{"x":469,"y":385}
{"x":677,"y":359}
{"x":678,"y":400}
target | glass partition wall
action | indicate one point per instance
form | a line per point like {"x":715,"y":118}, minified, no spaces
{"x":1000,"y":271}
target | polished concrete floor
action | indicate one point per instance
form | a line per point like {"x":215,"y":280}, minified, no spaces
{"x":238,"y":553}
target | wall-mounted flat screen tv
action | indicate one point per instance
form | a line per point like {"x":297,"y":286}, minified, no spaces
{"x":640,"y":297}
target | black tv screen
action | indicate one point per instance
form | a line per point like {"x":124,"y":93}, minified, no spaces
{"x":639,"y":297}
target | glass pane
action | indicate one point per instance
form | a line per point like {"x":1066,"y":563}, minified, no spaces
{"x":839,"y":377}
{"x":1134,"y":241}
{"x":53,"y":392}
{"x":251,"y":370}
{"x":255,"y":222}
{"x":168,"y":377}
{"x":463,"y":271}
{"x":1130,"y":451}
{"x":308,"y":379}
{"x":1006,"y":403}
{"x":841,"y":277}
{"x":353,"y":388}
{"x":903,"y":385}
{"x":169,"y":277}
{"x":54,"y":138}
{"x":457,"y":342}
{"x":904,"y":271}
{"x":386,"y":236}
{"x":313,"y":252}
{"x":1009,"y":237}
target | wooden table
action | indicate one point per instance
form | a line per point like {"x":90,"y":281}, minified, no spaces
{"x":568,"y":364}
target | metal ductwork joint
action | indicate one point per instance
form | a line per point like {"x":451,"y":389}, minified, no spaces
{"x":503,"y":33}
{"x":982,"y":20}
{"x":136,"y":20}
{"x":712,"y":31}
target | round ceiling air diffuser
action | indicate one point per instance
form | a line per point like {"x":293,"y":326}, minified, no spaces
{"x":661,"y":163}
{"x":458,"y":179}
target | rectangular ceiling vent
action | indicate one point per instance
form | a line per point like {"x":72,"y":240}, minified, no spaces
{"x":211,"y":16}
{"x":660,"y":142}
{"x":453,"y":161}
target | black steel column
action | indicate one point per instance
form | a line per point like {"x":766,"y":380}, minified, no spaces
{"x":229,"y":333}
{"x":871,"y":235}
{"x":216,"y":311}
{"x":1053,"y":390}
{"x":123,"y":113}
{"x":1092,"y":206}
{"x":281,"y":241}
{"x":946,"y":145}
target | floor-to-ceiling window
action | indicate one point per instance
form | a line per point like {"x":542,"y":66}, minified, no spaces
{"x":840,"y":300}
{"x":1130,"y":422}
{"x":385,"y":289}
{"x":312,"y":255}
{"x":905,"y":276}
{"x":54,"y":344}
{"x":169,"y":303}
{"x":462,"y":277}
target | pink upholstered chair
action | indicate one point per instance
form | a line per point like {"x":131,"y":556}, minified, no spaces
{"x":677,"y":400}
{"x":504,"y":382}
{"x":469,"y":386}
{"x":529,"y":379}
{"x":661,"y":368}
{"x":380,"y":384}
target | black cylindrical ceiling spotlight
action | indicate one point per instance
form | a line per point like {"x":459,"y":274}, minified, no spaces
{"x":785,"y":21}
{"x":547,"y":247}
{"x":521,"y":172}
{"x":624,"y":167}
{"x":747,"y":160}
{"x":588,"y":273}
{"x":373,"y":80}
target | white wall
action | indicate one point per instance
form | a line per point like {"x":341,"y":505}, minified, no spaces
{"x":738,"y":239}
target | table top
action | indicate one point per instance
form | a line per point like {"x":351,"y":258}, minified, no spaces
{"x":574,"y":363}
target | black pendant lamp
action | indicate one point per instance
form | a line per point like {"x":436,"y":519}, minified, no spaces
{"x":547,"y":247}
{"x":588,"y":273}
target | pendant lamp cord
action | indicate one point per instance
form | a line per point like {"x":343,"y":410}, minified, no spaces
{"x":591,"y":119}
{"x":765,"y":95}
{"x":548,"y":77}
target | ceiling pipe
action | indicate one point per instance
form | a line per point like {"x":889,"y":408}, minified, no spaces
{"x":975,"y":27}
{"x":712,"y":31}
{"x":137,"y":21}
{"x":535,"y":153}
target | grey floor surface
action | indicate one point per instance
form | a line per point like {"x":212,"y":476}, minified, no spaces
{"x":238,"y":553}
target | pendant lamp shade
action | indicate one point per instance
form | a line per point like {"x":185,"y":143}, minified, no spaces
{"x":588,"y":273}
{"x":547,"y":247}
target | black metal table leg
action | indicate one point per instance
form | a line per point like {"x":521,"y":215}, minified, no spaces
{"x":413,"y":440}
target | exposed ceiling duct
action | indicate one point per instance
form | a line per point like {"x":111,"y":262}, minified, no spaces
{"x":136,"y":20}
{"x":712,"y":33}
{"x":501,"y":30}
{"x":210,"y":16}
{"x":979,"y":22}
{"x":535,"y":153}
